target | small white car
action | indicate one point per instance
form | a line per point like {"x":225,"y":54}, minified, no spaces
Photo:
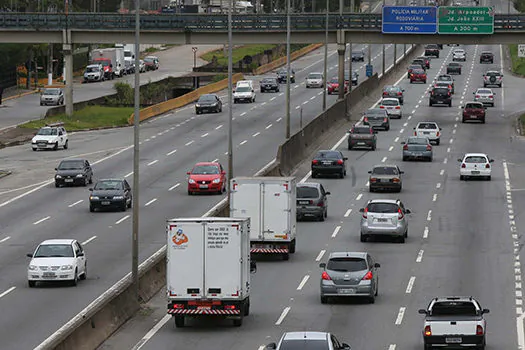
{"x":244,"y":91}
{"x":315,"y":80}
{"x":430,"y":130}
{"x":485,"y":96}
{"x":475,"y":165}
{"x":57,"y":260}
{"x":459,"y":55}
{"x":392,"y":107}
{"x":51,"y":136}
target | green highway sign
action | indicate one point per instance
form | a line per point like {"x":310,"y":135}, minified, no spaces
{"x":465,"y":20}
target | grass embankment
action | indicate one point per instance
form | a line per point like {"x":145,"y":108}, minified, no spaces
{"x":522,"y":124}
{"x":518,"y":63}
{"x":88,"y":118}
{"x":237,"y":53}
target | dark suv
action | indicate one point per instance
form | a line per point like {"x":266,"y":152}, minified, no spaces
{"x":486,"y":56}
{"x":440,"y":95}
{"x":432,"y":50}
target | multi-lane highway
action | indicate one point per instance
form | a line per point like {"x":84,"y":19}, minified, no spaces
{"x":32,"y":209}
{"x":463,"y":238}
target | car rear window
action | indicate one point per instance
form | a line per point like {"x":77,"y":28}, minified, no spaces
{"x":346,"y":264}
{"x":384,"y":170}
{"x":475,"y":159}
{"x":427,"y":126}
{"x":473,"y":105}
{"x":307,"y":192}
{"x":453,"y":308}
{"x":376,"y":113}
{"x":390,"y":102}
{"x":382,"y":208}
{"x":484,"y":91}
{"x":329,"y":154}
{"x":418,"y":71}
{"x":417,"y":141}
{"x":361,"y":130}
{"x":441,"y":91}
{"x":304,"y":344}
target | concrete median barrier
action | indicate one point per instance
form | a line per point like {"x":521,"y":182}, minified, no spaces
{"x":282,"y":60}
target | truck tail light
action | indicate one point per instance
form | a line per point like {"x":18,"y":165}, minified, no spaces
{"x":229,"y":307}
{"x":339,"y":162}
{"x":429,"y":148}
{"x":449,"y":93}
{"x":428,"y":331}
{"x":326,"y":276}
{"x":463,"y":165}
{"x":400,"y":214}
{"x":368,"y":276}
{"x":487,"y":166}
{"x":385,"y":93}
{"x":320,"y":204}
{"x":405,"y":148}
{"x":479,"y":330}
{"x":315,"y":161}
{"x":178,"y":306}
{"x":365,"y":213}
{"x":396,"y":180}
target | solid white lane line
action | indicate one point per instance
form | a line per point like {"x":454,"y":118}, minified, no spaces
{"x":400,"y":315}
{"x":448,"y":150}
{"x":174,"y":187}
{"x":425,"y":232}
{"x":420,"y":256}
{"x":243,"y":142}
{"x":348,"y":212}
{"x":429,"y":215}
{"x":121,"y":220}
{"x":217,"y":128}
{"x":383,"y":160}
{"x":336,"y":231}
{"x":410,"y":285}
{"x":303,"y":282}
{"x":151,"y":202}
{"x":215,"y":160}
{"x":320,"y":255}
{"x":189,"y":143}
{"x":128,"y":174}
{"x":359,"y":196}
{"x":153,"y":162}
{"x":7,"y":292}
{"x":391,"y":148}
{"x":77,"y":202}
{"x":268,"y":126}
{"x":88,"y":240}
{"x":41,"y":220}
{"x":205,"y":134}
{"x":152,"y":332}
{"x":283,"y":315}
{"x":256,"y":134}
{"x":170,"y":153}
{"x":5,"y":239}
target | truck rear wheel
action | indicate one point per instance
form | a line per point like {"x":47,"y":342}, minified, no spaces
{"x":247,"y":307}
{"x":179,"y":321}
{"x":286,"y":256}
{"x":238,"y":322}
{"x":292,"y":246}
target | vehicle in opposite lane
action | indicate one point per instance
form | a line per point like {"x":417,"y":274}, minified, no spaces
{"x":385,"y":177}
{"x":486,"y":57}
{"x":207,"y":177}
{"x":492,"y":78}
{"x":426,"y":60}
{"x":362,"y":136}
{"x":454,"y":68}
{"x":51,"y":136}
{"x":208,"y":103}
{"x":485,"y":96}
{"x":73,"y":171}
{"x":416,"y":147}
{"x":282,"y":75}
{"x":52,"y":96}
{"x":269,"y":84}
{"x":358,"y":56}
{"x":475,"y":165}
{"x":384,"y":217}
{"x":473,"y":111}
{"x":392,"y":107}
{"x":328,"y":162}
{"x":315,"y":80}
{"x":312,"y":201}
{"x":110,"y":194}
{"x":394,"y":92}
{"x":377,"y":118}
{"x":349,"y":275}
{"x":308,"y":341}
{"x":430,"y":130}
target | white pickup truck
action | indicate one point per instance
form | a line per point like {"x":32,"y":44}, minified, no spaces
{"x":454,"y":322}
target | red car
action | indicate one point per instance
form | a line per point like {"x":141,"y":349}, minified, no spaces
{"x":207,"y":177}
{"x":418,"y":75}
{"x":474,"y":111}
{"x":333,"y":86}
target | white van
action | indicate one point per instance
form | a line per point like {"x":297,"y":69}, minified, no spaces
{"x":244,"y":91}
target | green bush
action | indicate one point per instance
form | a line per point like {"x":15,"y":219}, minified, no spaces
{"x":219,"y":77}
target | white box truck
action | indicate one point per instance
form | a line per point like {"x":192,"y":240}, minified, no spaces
{"x":129,"y":57}
{"x":112,"y":59}
{"x":208,"y":268}
{"x":270,"y":204}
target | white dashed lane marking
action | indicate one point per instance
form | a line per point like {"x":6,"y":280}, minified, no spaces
{"x":122,"y":220}
{"x":400,"y":316}
{"x":174,"y":187}
{"x":320,"y":255}
{"x":77,"y":202}
{"x":336,"y":231}
{"x":41,"y":220}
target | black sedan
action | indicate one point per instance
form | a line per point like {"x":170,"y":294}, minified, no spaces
{"x":73,"y":172}
{"x":269,"y":84}
{"x":208,"y":103}
{"x":329,"y":162}
{"x":454,"y":68}
{"x":283,"y":73}
{"x":110,"y":194}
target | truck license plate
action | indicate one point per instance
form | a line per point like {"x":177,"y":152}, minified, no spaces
{"x":346,"y":291}
{"x":453,"y":340}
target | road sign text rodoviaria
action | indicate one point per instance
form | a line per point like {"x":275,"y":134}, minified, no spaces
{"x":465,"y":20}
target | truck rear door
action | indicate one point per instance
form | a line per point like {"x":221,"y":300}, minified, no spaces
{"x":276,"y":213}
{"x":451,"y":327}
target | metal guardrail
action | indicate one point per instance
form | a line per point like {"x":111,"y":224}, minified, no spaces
{"x":213,"y":22}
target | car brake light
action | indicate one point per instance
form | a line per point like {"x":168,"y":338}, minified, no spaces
{"x":463,"y":165}
{"x":326,"y":276}
{"x":385,"y":120}
{"x":415,"y":133}
{"x":477,"y":96}
{"x":479,"y":330}
{"x":437,"y":134}
{"x":449,"y":93}
{"x":340,"y":162}
{"x":491,"y":96}
{"x":352,"y":130}
{"x":320,"y":204}
{"x":371,"y":131}
{"x":450,"y":86}
{"x":385,"y":93}
{"x":398,"y":107}
{"x":428,"y":331}
{"x":381,"y":106}
{"x":315,"y":161}
{"x":368,"y":276}
{"x":429,"y":148}
{"x":405,"y":148}
{"x":399,"y":214}
{"x":365,"y":213}
{"x":365,"y":119}
{"x":487,"y":166}
{"x":373,"y":179}
{"x":396,"y":180}
{"x":399,"y":93}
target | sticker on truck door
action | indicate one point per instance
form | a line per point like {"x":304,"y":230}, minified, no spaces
{"x":180,"y":239}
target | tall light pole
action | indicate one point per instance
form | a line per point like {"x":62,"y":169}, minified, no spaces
{"x":325,"y":55}
{"x":370,"y":45}
{"x":136,"y":159}
{"x":230,"y":96}
{"x":288,"y":69}
{"x":384,"y":68}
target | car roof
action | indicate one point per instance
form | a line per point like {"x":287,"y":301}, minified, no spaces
{"x":206,"y":163}
{"x":384,"y":166}
{"x":328,"y":150}
{"x":392,"y":201}
{"x":100,"y":180}
{"x":309,"y":184}
{"x":58,"y":241}
{"x":305,"y":335}
{"x":454,"y":64}
{"x":454,"y":298}
{"x":347,"y":255}
{"x":475,"y":155}
{"x":72,"y":159}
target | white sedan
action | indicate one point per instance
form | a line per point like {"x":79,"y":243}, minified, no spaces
{"x":431,"y":130}
{"x":475,"y":165}
{"x":459,"y":55}
{"x":392,"y":107}
{"x":57,"y":260}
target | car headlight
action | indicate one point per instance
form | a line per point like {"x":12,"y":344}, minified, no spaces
{"x":197,"y":105}
{"x":32,"y":267}
{"x":213,"y":105}
{"x":216,"y":181}
{"x":67,"y":267}
{"x":93,"y":197}
{"x":80,"y":175}
{"x":51,"y":141}
{"x":58,"y":176}
{"x":118,"y":197}
{"x":191,"y":181}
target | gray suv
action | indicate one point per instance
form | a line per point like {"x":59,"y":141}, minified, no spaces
{"x":349,"y":274}
{"x":311,"y":201}
{"x":384,"y":217}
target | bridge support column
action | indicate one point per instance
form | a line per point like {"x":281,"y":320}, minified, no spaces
{"x":341,"y":48}
{"x":67,"y":49}
{"x":395,"y":55}
{"x":350,"y":66}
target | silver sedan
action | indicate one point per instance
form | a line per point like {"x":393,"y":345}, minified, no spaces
{"x":485,"y":96}
{"x":417,"y":148}
{"x":384,"y":217}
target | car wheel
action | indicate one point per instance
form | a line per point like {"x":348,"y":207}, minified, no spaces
{"x":179,"y":321}
{"x":31,"y":284}
{"x":86,"y":181}
{"x":84,"y":275}
{"x":489,"y":178}
{"x":91,"y":209}
{"x":189,"y":193}
{"x":387,"y":128}
{"x":286,"y":256}
{"x":372,"y":299}
{"x":124,"y":207}
{"x":349,"y":148}
{"x":324,"y":299}
{"x":326,"y":213}
{"x":91,"y":179}
{"x":377,"y":288}
{"x":492,"y":105}
{"x":56,"y":146}
{"x":321,"y":217}
{"x":314,"y":175}
{"x":410,"y":81}
{"x":342,"y":174}
{"x":74,"y":281}
{"x":363,"y":238}
{"x":374,"y":147}
{"x":371,"y":189}
{"x":401,"y":239}
{"x":130,"y":204}
{"x":197,"y":112}
{"x":483,"y":121}
{"x":461,"y":178}
{"x":450,"y":104}
{"x":291,"y":248}
{"x":463,"y":120}
{"x":66,"y":145}
{"x":429,"y":159}
{"x":424,"y":81}
{"x":405,"y":159}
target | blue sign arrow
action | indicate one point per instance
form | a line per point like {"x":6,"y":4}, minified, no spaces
{"x":409,"y":20}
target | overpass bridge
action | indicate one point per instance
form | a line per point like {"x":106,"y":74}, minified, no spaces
{"x":77,"y":28}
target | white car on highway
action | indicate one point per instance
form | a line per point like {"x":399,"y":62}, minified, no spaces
{"x":51,"y":136}
{"x":57,"y":260}
{"x":430,"y":130}
{"x":315,"y":80}
{"x":459,"y":55}
{"x":392,"y":107}
{"x":475,"y":165}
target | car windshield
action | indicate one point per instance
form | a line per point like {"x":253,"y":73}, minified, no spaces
{"x":54,"y":251}
{"x":243,"y":89}
{"x":484,"y":92}
{"x":92,"y":69}
{"x":328,"y":155}
{"x":459,"y":51}
{"x":71,"y":165}
{"x":390,"y":102}
{"x":108,"y":185}
{"x":307,"y":192}
{"x":205,"y":169}
{"x":475,"y":159}
{"x":454,"y":308}
{"x":304,"y":344}
{"x":384,"y":208}
{"x":48,"y":132}
{"x":207,"y":98}
{"x":51,"y":92}
{"x":391,"y":89}
{"x":334,"y":81}
{"x":417,"y":141}
{"x":346,"y":264}
{"x":385,"y":170}
{"x":474,"y":105}
{"x":361,"y":130}
{"x":427,"y":126}
{"x":315,"y":76}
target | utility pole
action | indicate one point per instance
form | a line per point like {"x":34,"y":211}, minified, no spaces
{"x":288,"y":69}
{"x":230,"y":95}
{"x":325,"y":55}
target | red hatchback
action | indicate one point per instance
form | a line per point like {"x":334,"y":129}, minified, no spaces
{"x":207,"y":177}
{"x":474,"y":111}
{"x":333,"y":86}
{"x":418,"y":75}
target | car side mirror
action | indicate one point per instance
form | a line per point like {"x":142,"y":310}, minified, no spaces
{"x":370,"y":171}
{"x":345,"y":158}
{"x":403,"y":90}
{"x":29,"y":255}
{"x":462,"y":107}
{"x":485,"y":311}
{"x":491,"y":161}
{"x":377,"y":265}
{"x":188,"y":173}
{"x":362,"y":210}
{"x":408,"y":211}
{"x":80,"y":254}
{"x":494,"y":93}
{"x":423,"y":312}
{"x":56,"y":169}
{"x":322,"y":265}
{"x":253,"y":266}
{"x":414,"y":128}
{"x":327,"y":193}
{"x":460,"y":160}
{"x":271,"y":346}
{"x":440,"y":128}
{"x":253,"y":90}
{"x":474,"y":93}
{"x":345,"y":346}
{"x":91,"y":189}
